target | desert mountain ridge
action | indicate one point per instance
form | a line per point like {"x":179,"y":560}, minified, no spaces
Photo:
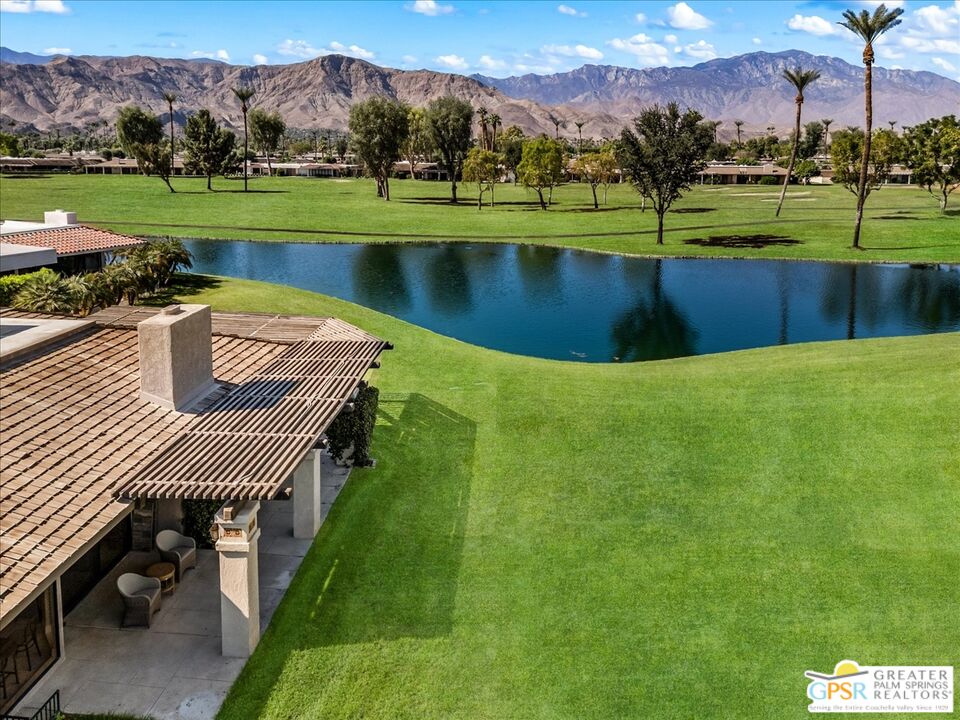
{"x":72,"y":91}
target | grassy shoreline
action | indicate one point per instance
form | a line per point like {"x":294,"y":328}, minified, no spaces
{"x":548,"y":539}
{"x":902,"y":223}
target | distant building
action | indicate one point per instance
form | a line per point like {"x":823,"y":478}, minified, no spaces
{"x":59,"y":242}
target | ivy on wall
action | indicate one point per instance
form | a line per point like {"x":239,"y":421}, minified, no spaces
{"x":355,"y":428}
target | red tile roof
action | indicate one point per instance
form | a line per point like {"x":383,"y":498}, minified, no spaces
{"x":73,"y":239}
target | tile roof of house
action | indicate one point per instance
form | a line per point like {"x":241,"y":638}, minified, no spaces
{"x":73,"y":239}
{"x":75,"y":429}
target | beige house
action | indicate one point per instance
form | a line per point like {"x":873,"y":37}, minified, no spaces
{"x":111,"y":423}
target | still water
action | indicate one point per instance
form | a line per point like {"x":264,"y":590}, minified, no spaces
{"x":578,"y":305}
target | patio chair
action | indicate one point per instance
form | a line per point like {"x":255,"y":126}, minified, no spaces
{"x":141,"y":598}
{"x":177,"y":549}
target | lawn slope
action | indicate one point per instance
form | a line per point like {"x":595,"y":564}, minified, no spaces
{"x":902,"y":223}
{"x":679,"y":539}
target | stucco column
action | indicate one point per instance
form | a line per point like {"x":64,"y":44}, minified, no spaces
{"x":237,"y":536}
{"x":307,"y":512}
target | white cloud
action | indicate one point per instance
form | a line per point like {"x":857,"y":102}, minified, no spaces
{"x":936,"y":45}
{"x":701,"y":50}
{"x":684,"y":17}
{"x":644,"y":48}
{"x":640,"y":18}
{"x":670,"y":38}
{"x":489,"y":63}
{"x":941,"y":22}
{"x":757,"y":41}
{"x":573,"y":12}
{"x":429,"y":7}
{"x":57,"y":51}
{"x":349,"y":50}
{"x":943,"y":64}
{"x":210,"y":55}
{"x":813,"y":24}
{"x":583,"y":51}
{"x":888,"y":53}
{"x":259,"y":59}
{"x":889,"y":3}
{"x":303,"y":49}
{"x":27,"y":6}
{"x":454,"y":62}
{"x":298,"y":48}
{"x":409,"y":59}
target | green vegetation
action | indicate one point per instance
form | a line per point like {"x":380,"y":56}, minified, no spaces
{"x":668,"y":539}
{"x":902,"y":224}
{"x":933,"y":152}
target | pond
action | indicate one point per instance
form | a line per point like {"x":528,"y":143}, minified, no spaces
{"x":592,"y":307}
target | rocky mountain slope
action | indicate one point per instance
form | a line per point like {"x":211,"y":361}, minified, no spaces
{"x":73,"y":91}
{"x":746,"y":87}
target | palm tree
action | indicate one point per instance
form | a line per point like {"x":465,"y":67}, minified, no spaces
{"x":46,"y":293}
{"x":799,"y":78}
{"x":770,"y":129}
{"x":170,"y":98}
{"x":243,"y":95}
{"x":826,"y":122}
{"x":556,"y":126}
{"x":891,"y":123}
{"x":580,"y":124}
{"x":739,"y":124}
{"x":495,"y":122}
{"x":869,"y":28}
{"x":716,"y":124}
{"x":483,"y":112}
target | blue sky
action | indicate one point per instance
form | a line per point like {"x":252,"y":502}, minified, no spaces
{"x":491,"y":37}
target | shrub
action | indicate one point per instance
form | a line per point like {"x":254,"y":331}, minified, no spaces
{"x":768,"y":180}
{"x":356,"y":427}
{"x":197,"y":519}
{"x":10,"y":284}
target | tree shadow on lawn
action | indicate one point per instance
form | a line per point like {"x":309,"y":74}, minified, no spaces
{"x":385,"y":563}
{"x":183,"y":286}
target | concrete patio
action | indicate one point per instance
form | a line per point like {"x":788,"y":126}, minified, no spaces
{"x":174,"y":670}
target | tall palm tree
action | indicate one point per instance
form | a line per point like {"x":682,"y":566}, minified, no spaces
{"x":170,"y":98}
{"x":892,"y":124}
{"x":826,"y":122}
{"x":483,"y":113}
{"x":495,"y":122}
{"x":243,"y":95}
{"x":556,"y":126}
{"x":739,"y":124}
{"x":716,"y":124}
{"x":869,"y":28}
{"x":580,"y":124}
{"x":800,"y":79}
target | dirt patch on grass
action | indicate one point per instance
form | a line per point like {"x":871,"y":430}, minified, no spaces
{"x":742,"y":241}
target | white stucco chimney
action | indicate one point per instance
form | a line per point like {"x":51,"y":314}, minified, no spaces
{"x":176,"y":356}
{"x":59,"y":217}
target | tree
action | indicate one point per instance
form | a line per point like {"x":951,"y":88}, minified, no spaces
{"x":597,"y":168}
{"x":495,"y":122}
{"x":933,"y":153}
{"x":9,"y":145}
{"x":483,"y":168}
{"x":243,"y":94}
{"x":378,"y":131}
{"x":266,"y":131}
{"x":811,"y":141}
{"x":208,"y":148}
{"x":541,"y":165}
{"x":511,"y":145}
{"x":800,"y":79}
{"x":826,"y":122}
{"x":141,"y":135}
{"x":805,"y":170}
{"x":46,"y":293}
{"x":580,"y":124}
{"x":171,"y":98}
{"x":869,"y":28}
{"x":846,"y":154}
{"x":739,"y":124}
{"x":663,"y":155}
{"x":449,"y":121}
{"x":418,"y":141}
{"x":482,"y":113}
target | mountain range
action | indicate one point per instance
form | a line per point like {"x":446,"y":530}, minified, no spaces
{"x":71,"y":91}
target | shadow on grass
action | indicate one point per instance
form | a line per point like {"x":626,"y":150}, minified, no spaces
{"x":693,"y":211}
{"x":184,"y":285}
{"x":386,"y":562}
{"x":742,"y":241}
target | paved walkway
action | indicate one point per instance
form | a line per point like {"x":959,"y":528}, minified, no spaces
{"x":174,"y":670}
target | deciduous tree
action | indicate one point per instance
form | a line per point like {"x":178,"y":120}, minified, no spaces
{"x":449,"y":121}
{"x":266,"y":131}
{"x":541,"y":165}
{"x":933,"y":153}
{"x":483,"y":168}
{"x":378,"y":130}
{"x":141,"y":136}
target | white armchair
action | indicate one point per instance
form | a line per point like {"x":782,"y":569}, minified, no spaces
{"x":141,"y":598}
{"x":177,"y":549}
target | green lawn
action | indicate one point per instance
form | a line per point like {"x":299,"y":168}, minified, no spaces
{"x":679,"y":539}
{"x":902,"y":223}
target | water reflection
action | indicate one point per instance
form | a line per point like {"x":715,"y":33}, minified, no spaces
{"x":654,"y":328}
{"x":575,"y":305}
